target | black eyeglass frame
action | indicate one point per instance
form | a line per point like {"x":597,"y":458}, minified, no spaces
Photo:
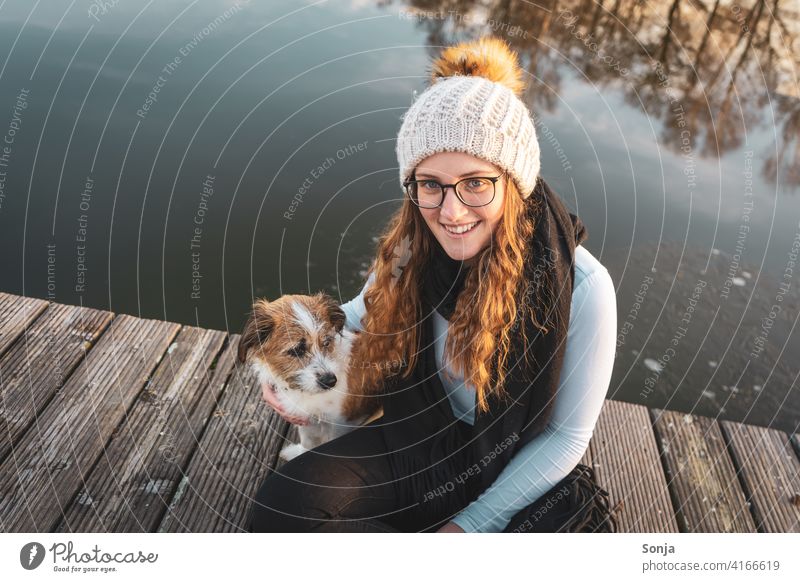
{"x":444,"y":187}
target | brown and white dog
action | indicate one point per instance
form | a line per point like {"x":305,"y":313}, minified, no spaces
{"x":298,"y":343}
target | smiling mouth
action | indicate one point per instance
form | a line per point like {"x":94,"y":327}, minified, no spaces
{"x":460,"y":229}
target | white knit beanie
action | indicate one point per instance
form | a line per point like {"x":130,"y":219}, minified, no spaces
{"x":473,"y":106}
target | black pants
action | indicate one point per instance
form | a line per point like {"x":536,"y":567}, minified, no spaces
{"x":349,"y":484}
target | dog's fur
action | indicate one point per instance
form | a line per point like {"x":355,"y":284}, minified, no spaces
{"x":298,"y":343}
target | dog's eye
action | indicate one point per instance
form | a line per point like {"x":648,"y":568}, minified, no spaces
{"x":298,"y":351}
{"x":327,"y":341}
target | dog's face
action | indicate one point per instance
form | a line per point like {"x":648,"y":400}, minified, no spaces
{"x":294,"y":342}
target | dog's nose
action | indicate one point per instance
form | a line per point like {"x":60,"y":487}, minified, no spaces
{"x":327,"y":380}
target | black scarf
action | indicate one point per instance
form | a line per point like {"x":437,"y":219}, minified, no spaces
{"x":420,"y":427}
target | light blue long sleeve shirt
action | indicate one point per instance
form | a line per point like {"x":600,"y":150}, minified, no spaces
{"x":585,"y":377}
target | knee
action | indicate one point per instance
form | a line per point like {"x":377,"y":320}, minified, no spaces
{"x":271,"y":511}
{"x":301,"y":495}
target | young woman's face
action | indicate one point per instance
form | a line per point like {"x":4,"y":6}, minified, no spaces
{"x":449,"y":168}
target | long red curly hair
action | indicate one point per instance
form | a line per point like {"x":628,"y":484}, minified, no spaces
{"x":481,"y":328}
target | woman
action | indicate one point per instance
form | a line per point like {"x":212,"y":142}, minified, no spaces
{"x":492,"y":332}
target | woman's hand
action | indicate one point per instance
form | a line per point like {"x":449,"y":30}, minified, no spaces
{"x":271,"y":398}
{"x":450,"y":527}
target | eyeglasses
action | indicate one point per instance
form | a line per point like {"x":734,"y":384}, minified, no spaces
{"x":476,"y":191}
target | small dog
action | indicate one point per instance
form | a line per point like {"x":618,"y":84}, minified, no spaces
{"x":298,"y":343}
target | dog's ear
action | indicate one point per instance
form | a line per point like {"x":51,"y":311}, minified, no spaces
{"x":257,"y":329}
{"x":333,"y":310}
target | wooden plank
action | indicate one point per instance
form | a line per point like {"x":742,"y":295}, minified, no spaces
{"x":129,"y":489}
{"x":236,"y":452}
{"x":39,"y":363}
{"x":44,"y":471}
{"x":16,"y":314}
{"x":770,"y":471}
{"x":702,"y":478}
{"x":624,"y":454}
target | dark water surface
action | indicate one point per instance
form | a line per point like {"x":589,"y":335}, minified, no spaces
{"x":173,"y":159}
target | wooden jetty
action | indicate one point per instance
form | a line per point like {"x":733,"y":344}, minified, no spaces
{"x":112,"y":423}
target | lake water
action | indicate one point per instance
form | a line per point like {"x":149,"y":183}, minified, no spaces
{"x":173,"y":160}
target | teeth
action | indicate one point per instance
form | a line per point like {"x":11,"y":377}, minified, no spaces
{"x":460,"y":229}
